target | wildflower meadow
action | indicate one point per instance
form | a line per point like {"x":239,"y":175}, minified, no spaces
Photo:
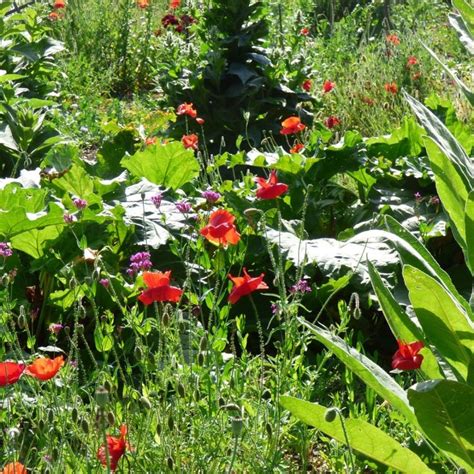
{"x":236,"y":236}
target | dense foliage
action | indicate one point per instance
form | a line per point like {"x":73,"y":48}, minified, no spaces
{"x":201,"y":203}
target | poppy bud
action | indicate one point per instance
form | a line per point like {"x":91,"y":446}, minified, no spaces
{"x":22,"y":322}
{"x":197,"y":394}
{"x":50,"y":416}
{"x":102,"y":397}
{"x":74,"y":415}
{"x":268,"y":428}
{"x":55,"y":453}
{"x":181,"y":391}
{"x":237,"y":425}
{"x":145,"y":402}
{"x":200,"y":121}
{"x":331,"y":414}
{"x":41,"y":424}
{"x":85,"y":426}
{"x":170,"y":463}
{"x":67,"y":330}
{"x":158,"y":428}
{"x":165,"y":320}
{"x":170,"y":423}
{"x":200,"y":359}
{"x":110,"y":418}
{"x":80,"y":329}
{"x":138,"y":353}
{"x":108,"y":386}
{"x":203,"y":344}
{"x":221,"y":402}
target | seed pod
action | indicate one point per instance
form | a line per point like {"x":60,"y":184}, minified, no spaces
{"x":203,"y":344}
{"x":170,"y":423}
{"x":110,"y":418}
{"x":108,"y":386}
{"x":237,"y":425}
{"x":165,"y":320}
{"x":138,"y":353}
{"x":331,"y":414}
{"x":145,"y":402}
{"x":357,"y":313}
{"x":181,"y":391}
{"x":102,"y":396}
{"x":200,"y":359}
{"x":74,"y":415}
{"x":85,"y":426}
{"x":170,"y":463}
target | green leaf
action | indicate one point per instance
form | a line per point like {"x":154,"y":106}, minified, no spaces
{"x":445,"y":412}
{"x":412,"y":252}
{"x":444,"y":322}
{"x":166,"y":165}
{"x":61,"y":157}
{"x":469,"y":228}
{"x":10,"y":77}
{"x":402,"y":327}
{"x":466,"y":11}
{"x":35,"y":241}
{"x":362,"y":436}
{"x":103,"y":342}
{"x":462,"y":30}
{"x":77,"y":182}
{"x":368,"y":371}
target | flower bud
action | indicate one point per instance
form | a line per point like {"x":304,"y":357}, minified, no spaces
{"x":110,"y":418}
{"x":170,"y":423}
{"x":237,"y":425}
{"x":203,"y":344}
{"x":181,"y":391}
{"x":85,"y":426}
{"x":102,"y":396}
{"x":74,"y":415}
{"x":331,"y":414}
{"x":170,"y":463}
{"x":145,"y":402}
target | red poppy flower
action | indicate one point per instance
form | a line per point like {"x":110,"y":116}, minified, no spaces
{"x":53,"y":16}
{"x":412,"y":61}
{"x":391,"y":87}
{"x":14,"y":468}
{"x":175,"y":3}
{"x":143,"y":3}
{"x":200,"y":121}
{"x":10,"y":372}
{"x":159,"y":289}
{"x":59,"y":4}
{"x":116,"y":446}
{"x":245,"y":285}
{"x":169,"y":20}
{"x":292,"y":125}
{"x":304,"y":31}
{"x":328,"y":86}
{"x":297,"y":148}
{"x":190,"y":141}
{"x":221,"y":229}
{"x":407,"y":357}
{"x":271,"y":188}
{"x":44,"y":368}
{"x":332,"y":122}
{"x":151,"y":141}
{"x":307,"y":85}
{"x":186,"y":109}
{"x":393,"y":39}
{"x":416,"y":76}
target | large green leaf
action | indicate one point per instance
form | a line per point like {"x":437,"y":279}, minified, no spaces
{"x":445,"y":412}
{"x":36,"y":241}
{"x":469,"y":228}
{"x":444,"y":321}
{"x":447,"y":143}
{"x":403,"y":328}
{"x":412,"y":252}
{"x":368,"y":371}
{"x":362,"y":436}
{"x":166,"y":165}
{"x":462,"y":30}
{"x":467,"y":12}
{"x":77,"y":182}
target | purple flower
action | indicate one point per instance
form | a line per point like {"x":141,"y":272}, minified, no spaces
{"x":156,"y":199}
{"x":5,"y":250}
{"x":301,"y":286}
{"x":139,"y":262}
{"x":275,"y":308}
{"x":183,"y":206}
{"x":417,"y":196}
{"x":79,"y":203}
{"x":211,"y":196}
{"x":73,"y":364}
{"x":55,"y":328}
{"x":105,"y":282}
{"x":435,"y":201}
{"x":69,"y":218}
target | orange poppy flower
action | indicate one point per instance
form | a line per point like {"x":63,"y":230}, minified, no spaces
{"x":292,"y":125}
{"x":190,"y":141}
{"x":159,"y":289}
{"x":53,"y":16}
{"x":221,"y":229}
{"x":304,"y":31}
{"x":245,"y":285}
{"x":271,"y":188}
{"x":143,"y":3}
{"x":116,"y":446}
{"x":328,"y":86}
{"x":297,"y":148}
{"x":10,"y":372}
{"x":412,"y":61}
{"x":14,"y":468}
{"x":391,"y":87}
{"x":394,"y":39}
{"x":175,"y":3}
{"x":59,"y":4}
{"x":186,"y":109}
{"x":44,"y":368}
{"x":151,"y":141}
